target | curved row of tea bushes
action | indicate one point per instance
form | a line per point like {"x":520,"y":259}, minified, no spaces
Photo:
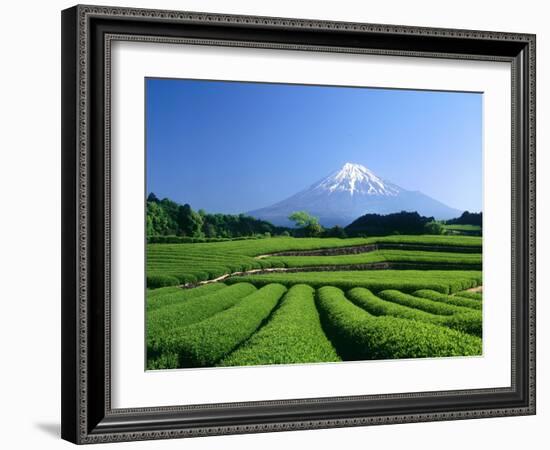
{"x":292,"y":335}
{"x":444,"y":281}
{"x":472,"y":295}
{"x":423,"y":304}
{"x":358,"y":335}
{"x":409,"y":256}
{"x":470,"y":323}
{"x":449,"y":299}
{"x":157,"y":280}
{"x":174,"y":264}
{"x":153,"y":293}
{"x":203,"y":344}
{"x":162,"y":297}
{"x":188,"y":263}
{"x":162,"y":322}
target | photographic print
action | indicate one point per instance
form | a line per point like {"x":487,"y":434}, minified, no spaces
{"x":299,"y":224}
{"x":248,"y":197}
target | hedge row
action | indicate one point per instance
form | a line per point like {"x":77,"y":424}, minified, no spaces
{"x":155,"y":281}
{"x":376,"y":280}
{"x":203,"y":344}
{"x":395,"y":256}
{"x":470,"y":323}
{"x":162,"y":297}
{"x":153,"y":293}
{"x":449,"y":299}
{"x":358,"y":335}
{"x":163,"y":322}
{"x":478,"y":296}
{"x":167,"y":269}
{"x":423,"y":304}
{"x":292,"y":335}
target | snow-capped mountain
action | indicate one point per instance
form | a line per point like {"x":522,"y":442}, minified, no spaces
{"x":356,"y":179}
{"x":349,"y":193}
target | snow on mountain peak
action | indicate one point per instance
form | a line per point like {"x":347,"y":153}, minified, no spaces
{"x":356,"y":178}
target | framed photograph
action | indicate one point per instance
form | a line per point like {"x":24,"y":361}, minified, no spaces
{"x":277,"y":224}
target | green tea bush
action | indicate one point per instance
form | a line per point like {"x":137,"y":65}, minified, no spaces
{"x":158,"y":280}
{"x":358,"y":335}
{"x":444,"y":281}
{"x":205,"y":343}
{"x":153,"y":293}
{"x":163,"y":321}
{"x":441,"y":240}
{"x":169,"y":295}
{"x":423,"y":304}
{"x":478,"y":296}
{"x":292,"y":335}
{"x":163,"y":361}
{"x":469,"y":260}
{"x":450,"y":299}
{"x":470,"y":323}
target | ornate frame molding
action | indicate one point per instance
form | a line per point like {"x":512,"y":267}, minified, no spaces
{"x":84,"y":32}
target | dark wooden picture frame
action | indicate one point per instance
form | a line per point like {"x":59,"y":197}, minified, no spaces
{"x":87,"y":415}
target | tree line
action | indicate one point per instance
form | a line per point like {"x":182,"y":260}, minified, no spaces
{"x":168,"y":218}
{"x":467,"y":218}
{"x":168,"y":221}
{"x":403,"y":222}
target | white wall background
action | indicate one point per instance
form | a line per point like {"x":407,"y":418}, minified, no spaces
{"x":30,"y":222}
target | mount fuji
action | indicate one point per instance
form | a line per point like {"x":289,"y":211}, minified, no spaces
{"x":349,"y":193}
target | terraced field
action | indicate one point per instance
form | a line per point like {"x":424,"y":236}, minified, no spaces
{"x":178,"y":264}
{"x":288,"y":300}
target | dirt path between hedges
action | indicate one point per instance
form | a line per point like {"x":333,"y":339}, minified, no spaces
{"x":372,"y":266}
{"x":478,"y":289}
{"x":335,"y":251}
{"x":384,"y":265}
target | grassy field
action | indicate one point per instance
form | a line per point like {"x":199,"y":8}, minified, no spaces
{"x":462,"y":227}
{"x":175,"y":264}
{"x":464,"y":230}
{"x":334,"y":308}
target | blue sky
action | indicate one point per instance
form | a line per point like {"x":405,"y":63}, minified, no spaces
{"x":231,"y":147}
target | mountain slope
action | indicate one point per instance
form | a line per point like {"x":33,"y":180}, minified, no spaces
{"x":349,"y":193}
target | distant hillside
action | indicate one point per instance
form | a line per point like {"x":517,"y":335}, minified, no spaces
{"x":380,"y":225}
{"x":467,"y":218}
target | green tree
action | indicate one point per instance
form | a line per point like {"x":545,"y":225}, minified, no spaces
{"x":308,"y":223}
{"x":152,"y":198}
{"x":313,"y":230}
{"x":302,"y":219}
{"x":189,"y":222}
{"x":158,"y":222}
{"x":336,"y":231}
{"x":209,"y":230}
{"x":434,"y":228}
{"x":171,"y":210}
